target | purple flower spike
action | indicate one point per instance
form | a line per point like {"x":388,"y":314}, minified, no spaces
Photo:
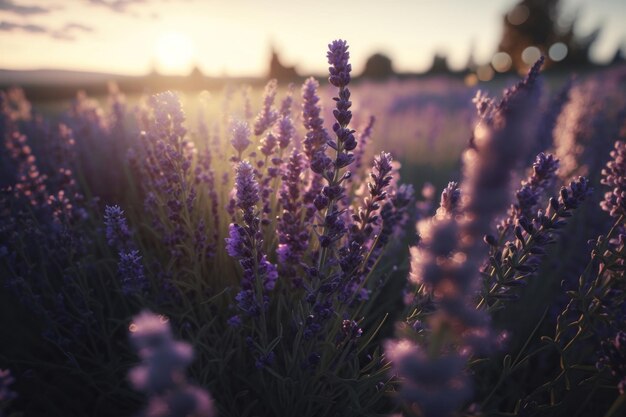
{"x":240,"y":137}
{"x":450,"y":198}
{"x":268,"y":114}
{"x":245,"y":242}
{"x":614,"y":177}
{"x":529,"y":194}
{"x":131,"y":273}
{"x":117,"y":232}
{"x":168,"y":113}
{"x":268,"y":144}
{"x":286,"y":131}
{"x":544,"y":168}
{"x":247,"y":188}
{"x":367,"y":216}
{"x":338,"y":57}
{"x":293,"y":237}
{"x":235,"y":244}
{"x":161,"y":373}
{"x":316,"y":139}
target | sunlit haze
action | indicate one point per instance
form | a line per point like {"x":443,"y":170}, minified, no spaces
{"x":235,"y":37}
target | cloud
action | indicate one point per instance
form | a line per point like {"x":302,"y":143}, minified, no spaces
{"x":30,"y":28}
{"x":11,"y":6}
{"x":119,"y":6}
{"x":78,"y":27}
{"x":67,"y":33}
{"x":123,"y":6}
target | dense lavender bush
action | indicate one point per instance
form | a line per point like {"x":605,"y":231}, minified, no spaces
{"x":276,"y":245}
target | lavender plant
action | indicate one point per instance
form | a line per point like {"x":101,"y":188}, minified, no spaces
{"x":276,"y":246}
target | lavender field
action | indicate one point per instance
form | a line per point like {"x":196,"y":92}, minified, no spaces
{"x":338,"y":245}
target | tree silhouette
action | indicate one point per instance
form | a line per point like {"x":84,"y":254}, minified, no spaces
{"x":279,"y":71}
{"x":534,"y":23}
{"x":378,"y":66}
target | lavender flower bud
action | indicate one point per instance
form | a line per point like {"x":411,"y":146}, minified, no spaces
{"x":338,"y":57}
{"x":316,"y":139}
{"x":168,"y":113}
{"x":131,"y":273}
{"x":268,"y":144}
{"x":544,"y":168}
{"x":235,"y":242}
{"x":240,"y":138}
{"x":450,"y":198}
{"x":247,"y":187}
{"x":268,"y":115}
{"x":286,"y":131}
{"x":117,"y":232}
{"x":614,"y":177}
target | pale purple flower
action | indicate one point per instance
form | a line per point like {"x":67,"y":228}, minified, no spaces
{"x":240,"y":137}
{"x":293,"y":236}
{"x":437,"y":387}
{"x":247,"y":187}
{"x":334,"y":225}
{"x":161,"y":373}
{"x":395,"y":214}
{"x":363,"y":139}
{"x":187,"y":401}
{"x":245,"y":243}
{"x":235,"y":242}
{"x":316,"y":139}
{"x":521,"y":257}
{"x":529,"y":194}
{"x":588,"y":125}
{"x":268,"y":144}
{"x":367,"y":216}
{"x":168,"y":115}
{"x":498,"y":143}
{"x":167,"y":179}
{"x":285,"y":105}
{"x":450,"y":199}
{"x":285,"y":131}
{"x":268,"y":115}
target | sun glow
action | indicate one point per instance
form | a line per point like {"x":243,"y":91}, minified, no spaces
{"x":174,"y":53}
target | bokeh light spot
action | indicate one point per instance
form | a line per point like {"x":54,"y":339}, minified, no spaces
{"x":530,"y":55}
{"x":485,"y":73}
{"x":471,"y":80}
{"x":557,"y":52}
{"x":501,"y":62}
{"x":518,"y":15}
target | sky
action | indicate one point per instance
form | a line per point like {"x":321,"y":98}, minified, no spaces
{"x":233,"y":37}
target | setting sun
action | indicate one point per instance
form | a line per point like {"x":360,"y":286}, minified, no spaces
{"x":174,"y":53}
